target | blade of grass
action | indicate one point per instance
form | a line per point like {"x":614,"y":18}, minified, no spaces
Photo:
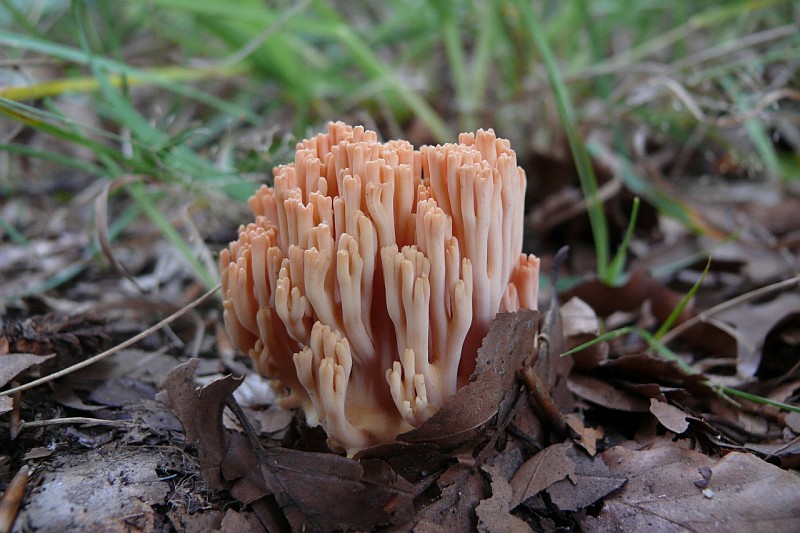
{"x":54,"y":157}
{"x":607,"y":336}
{"x":617,"y":265}
{"x":12,"y":232}
{"x":758,"y":399}
{"x":86,"y":84}
{"x":39,"y":120}
{"x":583,"y":164}
{"x":673,"y":316}
{"x":77,"y":56}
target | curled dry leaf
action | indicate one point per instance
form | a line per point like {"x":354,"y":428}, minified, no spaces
{"x":491,"y":390}
{"x":587,"y":436}
{"x":200,"y":412}
{"x":581,"y":325}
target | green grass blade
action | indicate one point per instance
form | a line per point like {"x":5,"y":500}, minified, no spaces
{"x":75,"y":55}
{"x":759,"y":399}
{"x":583,"y":164}
{"x":673,"y":316}
{"x":608,"y":336}
{"x":617,"y":266}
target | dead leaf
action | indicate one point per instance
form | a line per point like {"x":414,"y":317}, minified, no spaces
{"x":748,"y":494}
{"x":12,"y":364}
{"x":492,"y":386}
{"x":462,"y":488}
{"x":200,"y":412}
{"x":592,"y":481}
{"x":588,"y":436}
{"x":578,"y":318}
{"x":234,"y":522}
{"x":117,"y":392}
{"x":356,"y":495}
{"x":540,"y":471}
{"x":494,"y":515}
{"x":671,"y":417}
{"x":753,"y":322}
{"x":581,"y":325}
{"x":6,"y":404}
{"x":606,"y":395}
{"x":779,"y":218}
{"x":38,"y":453}
{"x":64,"y":394}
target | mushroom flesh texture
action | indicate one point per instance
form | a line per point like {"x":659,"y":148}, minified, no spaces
{"x":371,"y":273}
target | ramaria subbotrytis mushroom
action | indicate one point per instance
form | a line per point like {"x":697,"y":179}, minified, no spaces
{"x":372,"y":272}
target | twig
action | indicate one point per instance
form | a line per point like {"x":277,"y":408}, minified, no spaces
{"x":133,"y":340}
{"x":74,"y":420}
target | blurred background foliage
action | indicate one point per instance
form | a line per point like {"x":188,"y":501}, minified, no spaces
{"x":186,"y":105}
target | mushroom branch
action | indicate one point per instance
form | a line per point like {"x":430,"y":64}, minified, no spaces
{"x":371,"y":273}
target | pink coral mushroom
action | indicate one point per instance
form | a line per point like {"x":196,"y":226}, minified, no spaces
{"x":372,"y":272}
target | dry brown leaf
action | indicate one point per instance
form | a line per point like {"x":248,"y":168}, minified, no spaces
{"x":581,"y":325}
{"x":592,"y":481}
{"x":6,"y":404}
{"x":462,"y":488}
{"x":650,"y":369}
{"x":494,"y":515}
{"x":200,"y":413}
{"x":356,"y":495}
{"x":606,"y":395}
{"x":492,"y":386}
{"x":588,"y":436}
{"x":235,"y":522}
{"x":540,"y":471}
{"x":753,"y":322}
{"x":13,"y":364}
{"x":744,"y":495}
{"x":671,"y":417}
